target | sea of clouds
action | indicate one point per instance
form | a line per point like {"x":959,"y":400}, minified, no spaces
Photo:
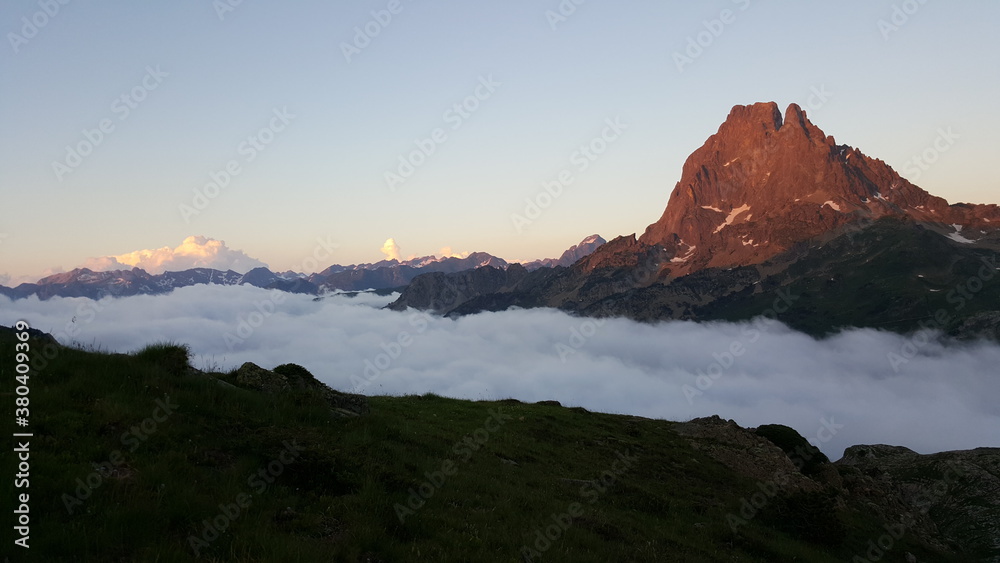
{"x":840,"y":391}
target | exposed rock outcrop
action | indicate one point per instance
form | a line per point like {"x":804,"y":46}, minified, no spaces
{"x":953,"y":497}
{"x":948,"y":500}
{"x":287,"y":377}
{"x":586,"y":247}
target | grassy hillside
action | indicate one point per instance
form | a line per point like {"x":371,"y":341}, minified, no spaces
{"x":139,"y":458}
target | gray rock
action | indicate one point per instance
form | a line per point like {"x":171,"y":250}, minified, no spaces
{"x":252,"y":376}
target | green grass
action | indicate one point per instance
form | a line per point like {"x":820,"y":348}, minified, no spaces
{"x":336,"y":500}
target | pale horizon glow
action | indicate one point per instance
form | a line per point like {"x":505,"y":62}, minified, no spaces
{"x":205,"y":252}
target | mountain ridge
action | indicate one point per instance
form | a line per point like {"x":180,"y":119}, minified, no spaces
{"x":798,"y":183}
{"x":382,"y":275}
{"x":757,"y":210}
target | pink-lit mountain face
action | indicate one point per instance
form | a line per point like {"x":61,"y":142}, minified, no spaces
{"x":771,"y":212}
{"x":764,"y":182}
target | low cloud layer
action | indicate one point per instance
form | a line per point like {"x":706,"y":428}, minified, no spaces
{"x":944,"y":397}
{"x":193,"y":252}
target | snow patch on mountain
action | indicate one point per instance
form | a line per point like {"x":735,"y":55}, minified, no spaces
{"x":732,"y":217}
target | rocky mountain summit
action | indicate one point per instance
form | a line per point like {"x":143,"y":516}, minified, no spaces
{"x":586,"y":247}
{"x":771,"y":213}
{"x":765,"y":182}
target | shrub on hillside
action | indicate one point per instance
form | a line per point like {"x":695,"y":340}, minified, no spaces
{"x":807,"y":457}
{"x":170,"y":356}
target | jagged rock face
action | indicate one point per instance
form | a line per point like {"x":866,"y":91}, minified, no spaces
{"x":443,"y":292}
{"x":622,"y":252}
{"x":573,"y":254}
{"x":764,"y":182}
{"x":953,"y":496}
{"x":586,"y":247}
{"x":743,"y":451}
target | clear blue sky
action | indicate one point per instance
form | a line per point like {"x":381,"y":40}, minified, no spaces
{"x":323,"y":175}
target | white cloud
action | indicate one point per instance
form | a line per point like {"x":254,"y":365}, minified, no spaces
{"x":193,"y":252}
{"x":447,"y":252}
{"x":946,"y":398}
{"x":391,"y":249}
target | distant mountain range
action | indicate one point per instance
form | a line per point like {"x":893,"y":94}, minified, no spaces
{"x":568,"y":258}
{"x":771,"y":217}
{"x":771,"y":208}
{"x":386,"y":274}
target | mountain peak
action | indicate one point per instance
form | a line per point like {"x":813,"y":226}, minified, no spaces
{"x":574,"y":253}
{"x":765,"y":181}
{"x":795,"y":115}
{"x":796,"y":120}
{"x":765,"y":114}
{"x":763,"y":119}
